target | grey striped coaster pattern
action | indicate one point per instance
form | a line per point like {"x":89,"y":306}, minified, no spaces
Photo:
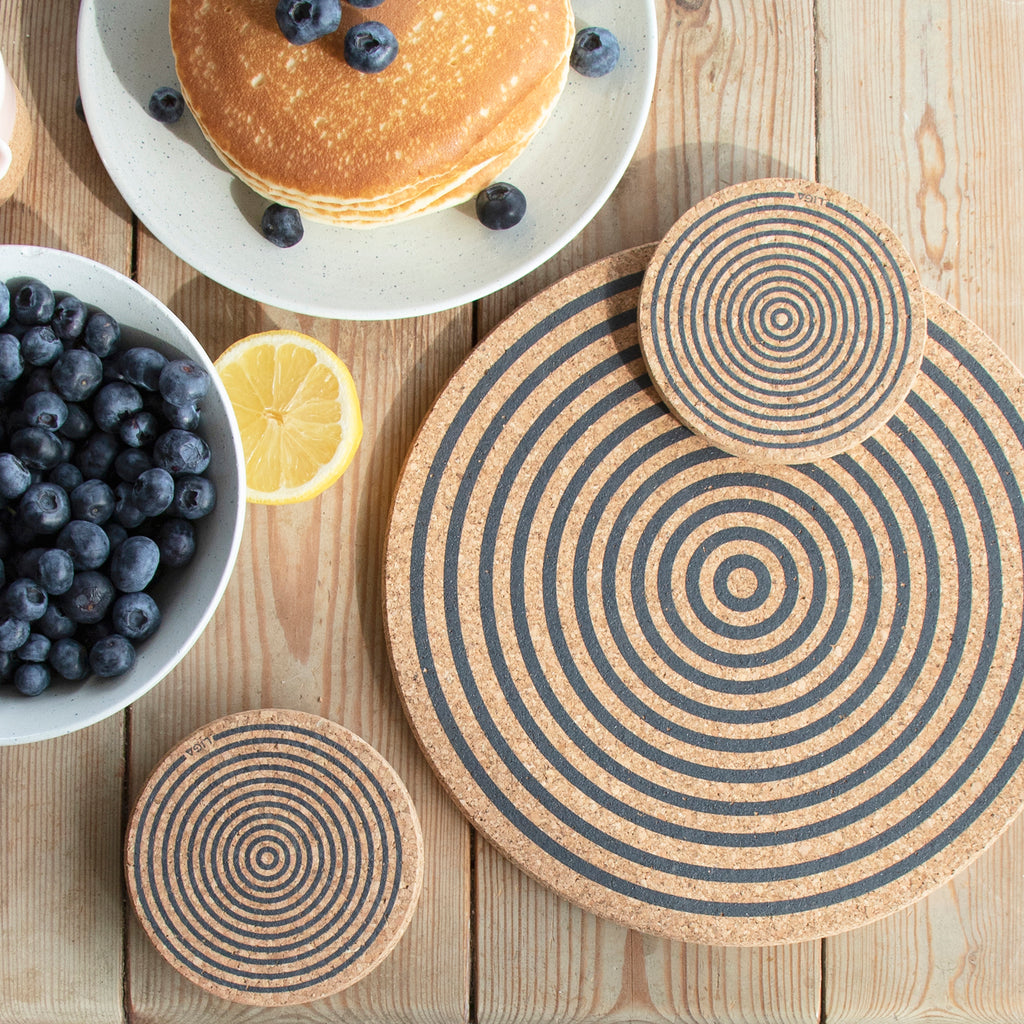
{"x":715,"y":699}
{"x":274,"y":857}
{"x":782,"y":320}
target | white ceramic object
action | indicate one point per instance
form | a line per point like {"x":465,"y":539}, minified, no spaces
{"x":187,"y":597}
{"x":8,"y":109}
{"x":171,"y":178}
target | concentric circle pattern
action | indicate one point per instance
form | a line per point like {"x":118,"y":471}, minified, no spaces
{"x":718,"y":700}
{"x":274,"y":857}
{"x":782,"y":320}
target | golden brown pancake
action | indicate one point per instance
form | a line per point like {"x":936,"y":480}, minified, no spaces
{"x":473,"y":82}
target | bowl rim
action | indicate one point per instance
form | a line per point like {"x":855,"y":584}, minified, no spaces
{"x":177,"y":329}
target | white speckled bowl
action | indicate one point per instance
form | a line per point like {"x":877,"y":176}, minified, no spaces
{"x":189,"y":596}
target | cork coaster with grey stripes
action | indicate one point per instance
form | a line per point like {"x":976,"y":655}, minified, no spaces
{"x":782,"y":320}
{"x":720,"y":700}
{"x":274,"y":857}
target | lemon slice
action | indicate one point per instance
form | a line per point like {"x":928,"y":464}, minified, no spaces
{"x":297,"y":411}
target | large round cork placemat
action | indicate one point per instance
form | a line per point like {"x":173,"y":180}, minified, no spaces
{"x":782,"y":320}
{"x":274,"y":857}
{"x":715,"y":700}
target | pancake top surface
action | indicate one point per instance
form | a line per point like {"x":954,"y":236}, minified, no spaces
{"x":300,"y":117}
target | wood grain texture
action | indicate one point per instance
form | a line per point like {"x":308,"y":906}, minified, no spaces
{"x":60,"y":816}
{"x":734,"y":100}
{"x":920,"y":114}
{"x":921,"y":117}
{"x":301,"y":627}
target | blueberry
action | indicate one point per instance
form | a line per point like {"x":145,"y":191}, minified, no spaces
{"x":500,"y":206}
{"x":56,"y":569}
{"x":69,"y":316}
{"x":370,"y":47}
{"x":183,"y":382}
{"x":33,"y":302}
{"x":595,"y":51}
{"x":113,"y":402}
{"x":76,"y":374}
{"x":131,"y":462}
{"x":194,"y":496}
{"x":37,"y":447}
{"x":66,"y":475}
{"x":54,"y":623}
{"x":166,"y":104}
{"x":181,"y":451}
{"x":45,"y":409}
{"x":281,"y":225}
{"x":35,"y":648}
{"x":69,"y":659}
{"x":302,"y":21}
{"x":79,"y":425}
{"x":26,"y":562}
{"x":31,"y":678}
{"x":86,"y":543}
{"x":89,"y":597}
{"x":25,"y":599}
{"x":111,"y":656}
{"x":44,"y":508}
{"x":125,"y":511}
{"x":14,"y":476}
{"x":185,"y":417}
{"x":102,"y":334}
{"x":40,"y":346}
{"x":153,"y":491}
{"x":116,"y":532}
{"x":95,"y":456}
{"x":12,"y":366}
{"x":135,"y":616}
{"x":141,"y":366}
{"x":13,"y":632}
{"x":133,"y":563}
{"x":139,"y":429}
{"x":176,"y":539}
{"x":89,"y":633}
{"x":366,"y":3}
{"x":5,"y":303}
{"x":37,"y":379}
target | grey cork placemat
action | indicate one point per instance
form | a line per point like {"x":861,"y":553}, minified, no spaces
{"x":782,"y":320}
{"x":717,"y":700}
{"x":274,"y":857}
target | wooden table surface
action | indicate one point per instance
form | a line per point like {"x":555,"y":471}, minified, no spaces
{"x":915,"y":107}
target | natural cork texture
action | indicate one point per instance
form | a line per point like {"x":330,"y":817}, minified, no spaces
{"x":274,"y":857}
{"x":717,"y":700}
{"x":782,"y":320}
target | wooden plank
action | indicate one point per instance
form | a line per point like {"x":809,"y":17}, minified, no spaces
{"x":301,"y":627}
{"x":735,"y":101}
{"x":60,"y":875}
{"x":921,"y":118}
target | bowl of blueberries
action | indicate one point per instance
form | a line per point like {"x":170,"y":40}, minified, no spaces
{"x":122,"y":492}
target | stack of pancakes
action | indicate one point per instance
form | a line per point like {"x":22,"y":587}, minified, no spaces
{"x":473,"y":82}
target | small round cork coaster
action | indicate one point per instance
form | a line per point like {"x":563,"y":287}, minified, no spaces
{"x":782,"y":320}
{"x":274,"y":857}
{"x":717,"y":700}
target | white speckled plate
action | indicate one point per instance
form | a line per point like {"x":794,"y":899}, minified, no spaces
{"x":174,"y":183}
